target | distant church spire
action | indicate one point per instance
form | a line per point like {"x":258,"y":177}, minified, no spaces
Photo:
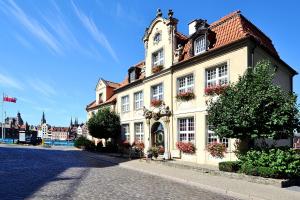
{"x":71,"y":123}
{"x":43,"y":120}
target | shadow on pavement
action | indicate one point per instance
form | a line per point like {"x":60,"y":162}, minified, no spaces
{"x":24,"y":170}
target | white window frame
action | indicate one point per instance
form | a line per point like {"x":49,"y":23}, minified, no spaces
{"x":138,"y":100}
{"x":185,"y":83}
{"x":126,"y":131}
{"x":217,"y":75}
{"x":186,"y":129}
{"x":139,"y":131}
{"x":125,"y":103}
{"x":200,"y":45}
{"x":160,"y":58}
{"x":157,"y":92}
{"x":132,"y":73}
{"x":213,"y":137}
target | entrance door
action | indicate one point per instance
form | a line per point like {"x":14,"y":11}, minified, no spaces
{"x":158,"y":137}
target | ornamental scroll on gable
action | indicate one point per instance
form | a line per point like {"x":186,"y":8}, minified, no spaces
{"x":163,"y":111}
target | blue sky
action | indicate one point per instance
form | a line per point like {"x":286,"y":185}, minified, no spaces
{"x":52,"y":53}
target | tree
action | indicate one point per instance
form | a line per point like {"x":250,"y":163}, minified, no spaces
{"x":105,"y":124}
{"x":254,"y":107}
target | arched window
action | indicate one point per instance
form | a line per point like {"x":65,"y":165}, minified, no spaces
{"x":200,"y":45}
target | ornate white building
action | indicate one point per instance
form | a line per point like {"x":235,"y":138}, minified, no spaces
{"x":176,"y":67}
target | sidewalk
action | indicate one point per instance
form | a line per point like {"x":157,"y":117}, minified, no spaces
{"x":219,"y":184}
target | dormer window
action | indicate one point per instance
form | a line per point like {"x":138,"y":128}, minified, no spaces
{"x":132,"y":76}
{"x":100,"y":98}
{"x":157,"y":38}
{"x":200,"y":45}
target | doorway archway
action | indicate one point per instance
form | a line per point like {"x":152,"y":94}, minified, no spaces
{"x":158,"y":135}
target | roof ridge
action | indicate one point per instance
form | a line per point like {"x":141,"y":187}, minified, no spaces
{"x":225,"y":18}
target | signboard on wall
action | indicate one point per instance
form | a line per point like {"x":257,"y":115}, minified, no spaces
{"x":22,"y":137}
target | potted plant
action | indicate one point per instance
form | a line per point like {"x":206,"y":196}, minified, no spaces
{"x":216,"y":89}
{"x":156,"y":102}
{"x":185,"y":96}
{"x":157,"y":68}
{"x":154,"y":151}
{"x":186,"y":147}
{"x":216,"y":149}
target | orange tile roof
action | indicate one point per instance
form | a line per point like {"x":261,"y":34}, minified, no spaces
{"x":94,"y":104}
{"x":141,"y":75}
{"x":231,"y":28}
{"x":112,"y":84}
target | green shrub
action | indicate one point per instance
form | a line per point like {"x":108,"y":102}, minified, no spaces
{"x":82,"y":142}
{"x":229,"y":166}
{"x":277,"y":163}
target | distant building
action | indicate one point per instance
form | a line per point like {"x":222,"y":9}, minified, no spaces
{"x":59,"y":133}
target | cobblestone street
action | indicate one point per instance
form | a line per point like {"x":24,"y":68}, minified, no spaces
{"x":38,"y":173}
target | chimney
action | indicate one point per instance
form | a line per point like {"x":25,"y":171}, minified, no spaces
{"x":192,"y":27}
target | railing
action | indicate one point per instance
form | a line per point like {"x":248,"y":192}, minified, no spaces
{"x":58,"y":143}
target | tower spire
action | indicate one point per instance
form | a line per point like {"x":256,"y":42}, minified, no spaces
{"x":43,"y":120}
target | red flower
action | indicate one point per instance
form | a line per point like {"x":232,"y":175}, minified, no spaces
{"x":185,"y":96}
{"x":156,"y":102}
{"x":138,"y":145}
{"x":217,"y":89}
{"x":186,"y":147}
{"x":216,"y":149}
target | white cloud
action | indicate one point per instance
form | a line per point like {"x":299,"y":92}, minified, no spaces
{"x":42,"y":87}
{"x":9,"y":82}
{"x":32,"y":25}
{"x":98,"y":36}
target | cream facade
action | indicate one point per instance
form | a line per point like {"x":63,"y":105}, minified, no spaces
{"x":209,"y":56}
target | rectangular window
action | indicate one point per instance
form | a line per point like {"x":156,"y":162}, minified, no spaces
{"x":100,"y":98}
{"x":186,"y":129}
{"x":138,"y":100}
{"x":157,"y":92}
{"x":158,"y":58}
{"x":217,"y":76}
{"x":125,"y":103}
{"x":132,"y":76}
{"x":139,"y":132}
{"x":213,"y":137}
{"x":200,"y":45}
{"x":125,"y":130}
{"x":186,"y":84}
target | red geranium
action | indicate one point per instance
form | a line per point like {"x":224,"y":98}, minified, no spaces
{"x":216,"y":149}
{"x":156,"y":102}
{"x":186,"y":147}
{"x":185,"y":96}
{"x":217,"y":89}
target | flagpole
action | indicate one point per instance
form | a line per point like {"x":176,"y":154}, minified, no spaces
{"x":2,"y":116}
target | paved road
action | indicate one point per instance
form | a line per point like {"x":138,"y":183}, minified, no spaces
{"x":37,"y":173}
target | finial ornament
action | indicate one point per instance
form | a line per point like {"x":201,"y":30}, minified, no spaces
{"x":170,"y":13}
{"x":158,"y":13}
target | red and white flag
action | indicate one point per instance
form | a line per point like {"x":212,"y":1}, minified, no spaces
{"x":10,"y":99}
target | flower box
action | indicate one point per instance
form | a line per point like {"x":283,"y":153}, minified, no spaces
{"x":217,"y":89}
{"x":138,"y":145}
{"x":217,"y":150}
{"x":186,"y":147}
{"x":157,"y":68}
{"x":156,"y":102}
{"x":185,"y":96}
